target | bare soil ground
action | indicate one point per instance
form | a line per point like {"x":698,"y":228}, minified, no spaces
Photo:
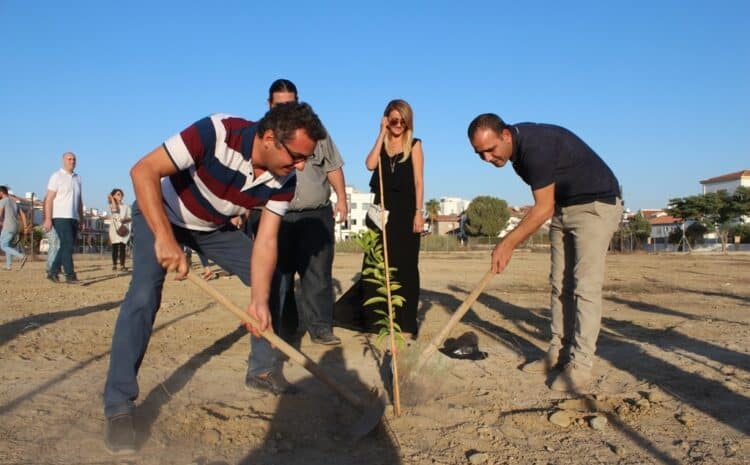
{"x":672,"y":383}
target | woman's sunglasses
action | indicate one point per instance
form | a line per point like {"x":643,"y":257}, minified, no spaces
{"x":396,"y":122}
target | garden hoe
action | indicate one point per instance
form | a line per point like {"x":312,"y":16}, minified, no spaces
{"x":371,"y":409}
{"x":420,"y":384}
{"x":433,"y":345}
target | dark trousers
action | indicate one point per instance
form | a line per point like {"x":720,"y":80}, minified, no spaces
{"x":66,"y":229}
{"x":308,"y":245}
{"x":230,"y":248}
{"x":118,"y":254}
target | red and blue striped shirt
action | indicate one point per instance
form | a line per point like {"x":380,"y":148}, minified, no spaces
{"x":215,"y":181}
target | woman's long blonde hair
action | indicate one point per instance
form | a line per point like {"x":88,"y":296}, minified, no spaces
{"x":407,"y":115}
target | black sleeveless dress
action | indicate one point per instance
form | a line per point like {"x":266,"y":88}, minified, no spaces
{"x":403,"y":250}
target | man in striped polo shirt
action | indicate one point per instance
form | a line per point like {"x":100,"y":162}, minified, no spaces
{"x":187,"y":190}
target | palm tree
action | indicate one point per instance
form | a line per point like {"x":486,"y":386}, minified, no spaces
{"x":433,"y":210}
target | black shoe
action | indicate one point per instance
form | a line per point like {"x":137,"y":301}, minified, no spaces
{"x":53,"y":277}
{"x":119,"y":438}
{"x":274,"y":382}
{"x":114,"y":267}
{"x":326,"y":338}
{"x":72,"y":280}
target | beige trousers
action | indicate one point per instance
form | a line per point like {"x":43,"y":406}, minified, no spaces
{"x":579,"y":239}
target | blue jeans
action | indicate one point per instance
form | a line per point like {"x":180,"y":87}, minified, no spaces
{"x":263,"y":358}
{"x":54,"y":247}
{"x":229,"y":248}
{"x":5,"y":238}
{"x":66,"y":229}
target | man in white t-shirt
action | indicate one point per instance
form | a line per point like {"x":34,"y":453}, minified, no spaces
{"x":63,"y":210}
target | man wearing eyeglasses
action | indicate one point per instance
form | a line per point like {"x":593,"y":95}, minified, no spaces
{"x":575,"y":188}
{"x":187,"y":191}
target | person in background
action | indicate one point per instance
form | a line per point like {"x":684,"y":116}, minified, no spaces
{"x":9,"y":216}
{"x":307,"y":233}
{"x":119,"y":227}
{"x":63,"y":210}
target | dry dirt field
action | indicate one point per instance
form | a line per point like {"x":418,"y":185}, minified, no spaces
{"x":672,"y":384}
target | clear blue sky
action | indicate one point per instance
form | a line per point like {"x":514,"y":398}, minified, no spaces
{"x":661,"y":90}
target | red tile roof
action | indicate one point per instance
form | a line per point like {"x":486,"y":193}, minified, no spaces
{"x":727,"y":177}
{"x":660,"y":220}
{"x":651,"y":212}
{"x":447,"y":218}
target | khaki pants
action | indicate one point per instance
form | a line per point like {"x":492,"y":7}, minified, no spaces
{"x":579,"y":238}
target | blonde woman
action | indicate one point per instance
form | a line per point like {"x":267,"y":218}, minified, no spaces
{"x":119,"y":228}
{"x":402,"y":162}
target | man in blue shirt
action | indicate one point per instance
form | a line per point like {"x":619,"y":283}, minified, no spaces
{"x":577,"y":190}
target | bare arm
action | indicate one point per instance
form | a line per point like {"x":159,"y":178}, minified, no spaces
{"x":371,"y":162}
{"x":417,"y":157}
{"x":146,"y":176}
{"x":262,"y":265}
{"x":49,"y":200}
{"x":544,"y":207}
{"x":336,"y":180}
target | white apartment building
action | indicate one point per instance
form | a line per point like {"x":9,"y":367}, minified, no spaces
{"x":727,"y":182}
{"x":453,"y":205}
{"x":358,"y":203}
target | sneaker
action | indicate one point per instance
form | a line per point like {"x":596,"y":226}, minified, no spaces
{"x":53,"y":277}
{"x":574,"y":378}
{"x":114,"y":267}
{"x":547,"y":364}
{"x":273,"y":382}
{"x":72,"y":280}
{"x":326,"y":338}
{"x":123,"y":268}
{"x":119,"y":438}
{"x":23,"y":262}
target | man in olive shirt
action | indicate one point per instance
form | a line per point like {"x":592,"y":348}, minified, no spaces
{"x":575,"y":188}
{"x":306,"y":233}
{"x":308,"y":226}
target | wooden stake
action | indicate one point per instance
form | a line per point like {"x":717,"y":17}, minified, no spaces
{"x":394,"y":357}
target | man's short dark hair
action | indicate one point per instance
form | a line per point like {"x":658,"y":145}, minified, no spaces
{"x":486,"y":121}
{"x":4,"y":190}
{"x":285,"y":118}
{"x":282,"y":85}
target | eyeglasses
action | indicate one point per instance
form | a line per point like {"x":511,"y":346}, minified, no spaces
{"x":296,"y":157}
{"x":396,"y":122}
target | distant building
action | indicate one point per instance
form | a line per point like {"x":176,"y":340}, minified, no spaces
{"x":516,"y":215}
{"x":726,"y":182}
{"x":447,"y":224}
{"x":358,"y":203}
{"x":662,"y":225}
{"x":453,"y":205}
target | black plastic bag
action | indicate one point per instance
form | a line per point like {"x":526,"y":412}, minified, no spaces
{"x":465,"y":347}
